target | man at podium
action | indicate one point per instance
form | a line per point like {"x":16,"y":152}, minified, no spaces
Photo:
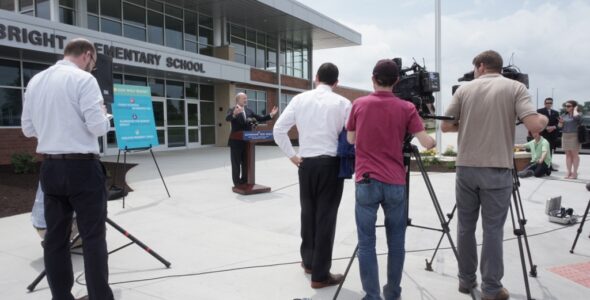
{"x":242,"y":119}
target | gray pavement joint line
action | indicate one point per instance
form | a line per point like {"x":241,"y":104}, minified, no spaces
{"x":295,"y":262}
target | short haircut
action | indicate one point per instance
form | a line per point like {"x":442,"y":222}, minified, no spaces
{"x":548,"y":99}
{"x":490,"y":59}
{"x":78,"y":46}
{"x":385,"y":72}
{"x":328,"y":73}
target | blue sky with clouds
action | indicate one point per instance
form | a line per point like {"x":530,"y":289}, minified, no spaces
{"x":549,"y":40}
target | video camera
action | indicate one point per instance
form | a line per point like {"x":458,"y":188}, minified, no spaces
{"x":417,"y":85}
{"x":510,"y":72}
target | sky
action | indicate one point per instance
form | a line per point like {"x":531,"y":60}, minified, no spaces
{"x":548,"y":40}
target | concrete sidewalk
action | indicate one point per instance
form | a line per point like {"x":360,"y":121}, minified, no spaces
{"x":227,"y":246}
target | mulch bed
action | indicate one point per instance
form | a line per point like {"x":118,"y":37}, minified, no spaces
{"x":17,"y":191}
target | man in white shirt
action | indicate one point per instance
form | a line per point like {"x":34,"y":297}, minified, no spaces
{"x":320,"y":116}
{"x":64,"y":110}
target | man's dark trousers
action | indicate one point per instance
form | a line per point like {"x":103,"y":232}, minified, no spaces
{"x":238,"y":162}
{"x":75,"y":186}
{"x":320,"y":193}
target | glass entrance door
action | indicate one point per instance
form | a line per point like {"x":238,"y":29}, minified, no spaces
{"x":193,"y":109}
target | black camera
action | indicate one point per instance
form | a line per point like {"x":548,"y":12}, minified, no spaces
{"x":511,"y":72}
{"x":417,"y":85}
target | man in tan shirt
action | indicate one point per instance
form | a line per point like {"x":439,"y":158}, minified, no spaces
{"x":485,"y":111}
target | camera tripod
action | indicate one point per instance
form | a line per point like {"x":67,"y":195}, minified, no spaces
{"x":579,"y":231}
{"x":120,"y":229}
{"x":408,"y":151}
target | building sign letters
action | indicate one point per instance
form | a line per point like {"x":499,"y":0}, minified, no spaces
{"x":23,"y":35}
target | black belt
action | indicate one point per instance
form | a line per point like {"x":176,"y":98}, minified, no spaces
{"x":72,"y":156}
{"x":320,"y":157}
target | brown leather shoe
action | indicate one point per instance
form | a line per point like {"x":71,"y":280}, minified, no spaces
{"x":306,"y":270}
{"x":501,"y":295}
{"x":333,"y":279}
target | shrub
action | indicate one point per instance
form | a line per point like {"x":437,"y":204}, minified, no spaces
{"x":23,"y":163}
{"x":431,"y":152}
{"x":450,"y":151}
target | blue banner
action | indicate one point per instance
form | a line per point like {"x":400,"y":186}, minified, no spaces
{"x":258,"y":135}
{"x":134,"y":117}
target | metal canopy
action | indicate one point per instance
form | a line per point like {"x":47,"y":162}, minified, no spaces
{"x":278,"y":16}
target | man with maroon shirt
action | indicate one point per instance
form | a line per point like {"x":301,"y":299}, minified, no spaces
{"x":377,"y":125}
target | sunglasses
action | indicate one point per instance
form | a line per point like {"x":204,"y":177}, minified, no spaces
{"x":568,"y":106}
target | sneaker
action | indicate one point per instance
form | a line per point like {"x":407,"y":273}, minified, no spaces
{"x":467,"y":290}
{"x":501,"y":295}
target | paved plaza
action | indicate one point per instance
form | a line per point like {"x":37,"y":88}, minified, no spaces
{"x":227,"y":246}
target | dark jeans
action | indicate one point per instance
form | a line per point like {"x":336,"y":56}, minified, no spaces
{"x":537,"y":169}
{"x":238,"y":161}
{"x":75,"y":186}
{"x":320,"y":192}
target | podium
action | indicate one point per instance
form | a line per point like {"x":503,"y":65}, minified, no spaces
{"x":251,"y":138}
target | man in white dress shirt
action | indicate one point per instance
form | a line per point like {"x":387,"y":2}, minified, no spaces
{"x":320,"y":116}
{"x":64,"y":110}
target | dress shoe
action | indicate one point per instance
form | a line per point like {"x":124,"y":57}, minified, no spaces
{"x":82,"y":298}
{"x":501,"y":295}
{"x":307,"y":271}
{"x":333,"y":279}
{"x":467,"y":290}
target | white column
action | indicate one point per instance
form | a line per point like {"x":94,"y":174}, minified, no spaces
{"x":81,"y":13}
{"x":54,"y":10}
{"x":438,"y":68}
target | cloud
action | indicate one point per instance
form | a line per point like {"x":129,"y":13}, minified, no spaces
{"x":549,"y":42}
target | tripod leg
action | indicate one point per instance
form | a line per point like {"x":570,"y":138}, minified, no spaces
{"x":580,"y":228}
{"x":518,"y":233}
{"x":139,"y":243}
{"x":33,"y":284}
{"x":441,"y":216}
{"x":522,"y":222}
{"x":41,"y":275}
{"x":346,"y":272}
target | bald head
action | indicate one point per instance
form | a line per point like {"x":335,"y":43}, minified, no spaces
{"x":241,"y":99}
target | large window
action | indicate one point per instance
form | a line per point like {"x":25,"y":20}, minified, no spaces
{"x":35,"y":8}
{"x":256,"y":100}
{"x":14,"y":77}
{"x":67,"y":11}
{"x":253,"y":48}
{"x":7,"y":5}
{"x":294,"y":56}
{"x":284,"y":101}
{"x":154,"y":22}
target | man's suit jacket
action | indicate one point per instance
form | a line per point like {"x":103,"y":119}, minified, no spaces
{"x":553,"y":117}
{"x":239,"y":123}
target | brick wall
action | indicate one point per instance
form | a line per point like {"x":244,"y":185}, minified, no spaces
{"x":13,"y":141}
{"x":263,"y":76}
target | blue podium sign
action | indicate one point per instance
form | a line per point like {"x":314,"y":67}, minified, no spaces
{"x":134,"y":117}
{"x":257,"y":135}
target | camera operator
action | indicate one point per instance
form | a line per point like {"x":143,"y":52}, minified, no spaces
{"x":485,"y":112}
{"x":242,"y":118}
{"x":63,"y":109}
{"x":377,"y":125}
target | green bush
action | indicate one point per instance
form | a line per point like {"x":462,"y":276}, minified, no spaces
{"x":450,"y":151}
{"x":23,"y":163}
